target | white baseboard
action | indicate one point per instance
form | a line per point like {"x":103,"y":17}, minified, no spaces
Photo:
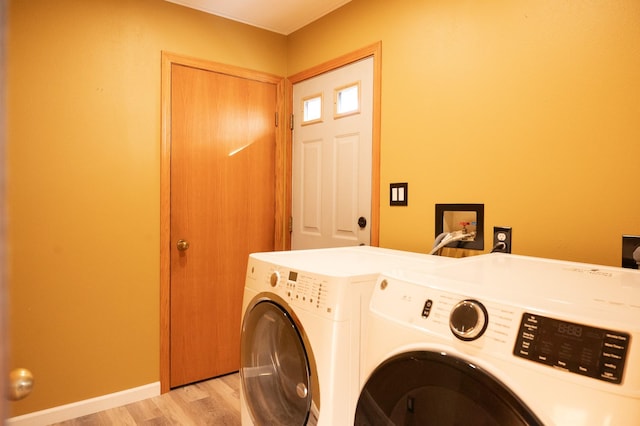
{"x":88,"y":406}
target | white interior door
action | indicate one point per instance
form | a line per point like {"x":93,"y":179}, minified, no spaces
{"x":332,"y":156}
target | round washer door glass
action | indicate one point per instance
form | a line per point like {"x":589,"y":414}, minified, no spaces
{"x":274,"y":367}
{"x":431,"y":388}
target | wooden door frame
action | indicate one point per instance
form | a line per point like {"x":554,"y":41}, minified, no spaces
{"x":283,"y":137}
{"x":4,"y":263}
{"x":375,"y":51}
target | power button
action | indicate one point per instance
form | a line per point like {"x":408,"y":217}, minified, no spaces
{"x":426,"y":310}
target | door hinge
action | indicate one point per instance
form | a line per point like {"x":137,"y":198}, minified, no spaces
{"x":291,"y":123}
{"x":277,"y":118}
{"x":290,"y":224}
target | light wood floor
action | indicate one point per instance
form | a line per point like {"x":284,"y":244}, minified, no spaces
{"x":212,"y":402}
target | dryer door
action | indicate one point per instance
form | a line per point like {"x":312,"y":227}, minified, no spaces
{"x":433,"y":388}
{"x":275,"y":368}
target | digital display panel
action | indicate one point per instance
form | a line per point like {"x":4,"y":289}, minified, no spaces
{"x":581,"y":349}
{"x":293,"y":276}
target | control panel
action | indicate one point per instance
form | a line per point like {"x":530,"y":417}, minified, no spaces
{"x":506,"y":331}
{"x":588,"y":351}
{"x":306,"y":289}
{"x":483,"y":324}
{"x":317,"y":293}
{"x":301,"y":289}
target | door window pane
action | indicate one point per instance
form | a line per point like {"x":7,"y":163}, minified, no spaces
{"x":312,"y":109}
{"x":347,"y":100}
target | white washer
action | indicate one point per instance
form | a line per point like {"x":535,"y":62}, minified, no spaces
{"x":302,"y":332}
{"x":502,"y":339}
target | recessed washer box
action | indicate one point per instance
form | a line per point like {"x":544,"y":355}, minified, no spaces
{"x":455,"y":217}
{"x":630,"y":243}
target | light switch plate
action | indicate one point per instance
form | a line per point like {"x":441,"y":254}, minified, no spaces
{"x":399,"y":194}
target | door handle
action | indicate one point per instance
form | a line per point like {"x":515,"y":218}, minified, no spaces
{"x":362,"y":222}
{"x":20,"y":384}
{"x":182,"y":245}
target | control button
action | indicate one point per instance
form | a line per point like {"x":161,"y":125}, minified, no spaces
{"x":607,"y":375}
{"x":275,"y":277}
{"x":613,"y":346}
{"x":426,"y":310}
{"x":468,"y":320}
{"x":618,"y":337}
{"x":611,"y":355}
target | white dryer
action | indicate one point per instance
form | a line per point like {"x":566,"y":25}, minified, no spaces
{"x":502,"y":339}
{"x":302,"y":331}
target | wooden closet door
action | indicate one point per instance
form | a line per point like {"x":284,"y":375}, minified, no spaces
{"x":222,"y":207}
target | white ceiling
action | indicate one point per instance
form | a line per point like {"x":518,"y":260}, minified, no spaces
{"x":280,"y":16}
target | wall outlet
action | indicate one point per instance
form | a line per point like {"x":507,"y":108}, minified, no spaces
{"x":630,"y":243}
{"x":501,"y":239}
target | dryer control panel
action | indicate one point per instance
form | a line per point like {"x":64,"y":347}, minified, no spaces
{"x":589,"y":351}
{"x":322,"y":294}
{"x":308,"y":290}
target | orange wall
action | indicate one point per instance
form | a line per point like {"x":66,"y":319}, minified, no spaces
{"x":530,"y":107}
{"x":83,"y":170}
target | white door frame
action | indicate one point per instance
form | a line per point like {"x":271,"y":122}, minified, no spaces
{"x":375,"y":51}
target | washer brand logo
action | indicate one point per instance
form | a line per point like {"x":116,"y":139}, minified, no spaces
{"x":592,"y":272}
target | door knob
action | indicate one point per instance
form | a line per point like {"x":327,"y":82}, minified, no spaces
{"x":362,"y":222}
{"x":182,"y":245}
{"x":20,"y":384}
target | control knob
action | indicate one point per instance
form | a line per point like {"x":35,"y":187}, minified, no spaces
{"x":468,"y":320}
{"x":275,"y":277}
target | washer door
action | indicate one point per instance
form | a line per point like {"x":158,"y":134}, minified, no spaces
{"x":275,"y":368}
{"x":432,"y":388}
